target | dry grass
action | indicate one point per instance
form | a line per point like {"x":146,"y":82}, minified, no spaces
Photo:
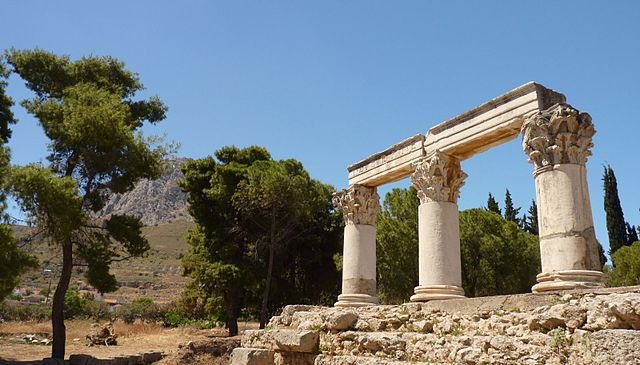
{"x":132,"y":339}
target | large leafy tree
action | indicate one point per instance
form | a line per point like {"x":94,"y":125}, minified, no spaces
{"x":219,"y":261}
{"x":13,"y":260}
{"x":265,"y":234}
{"x":87,"y":110}
{"x":490,"y":246}
{"x":397,"y":245}
{"x":278,"y":203}
{"x":497,"y":256}
{"x":616,"y":225}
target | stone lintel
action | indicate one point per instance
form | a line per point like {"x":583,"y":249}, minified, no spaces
{"x":492,"y":123}
{"x":392,"y":164}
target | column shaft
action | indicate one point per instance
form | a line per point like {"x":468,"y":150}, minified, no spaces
{"x":358,"y":266}
{"x":558,"y":142}
{"x":360,"y":206}
{"x":438,"y":180}
{"x":440,"y":274}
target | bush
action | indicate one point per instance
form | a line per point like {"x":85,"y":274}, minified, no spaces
{"x":143,"y":308}
{"x":98,"y":311}
{"x":16,"y":311}
{"x":626,"y":266}
{"x":75,"y":305}
{"x":175,"y":317}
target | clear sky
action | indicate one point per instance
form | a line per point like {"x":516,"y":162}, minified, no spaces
{"x":331,"y":82}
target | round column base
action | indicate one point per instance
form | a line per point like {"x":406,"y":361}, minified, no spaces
{"x":569,"y":279}
{"x":437,"y":292}
{"x":356,"y":300}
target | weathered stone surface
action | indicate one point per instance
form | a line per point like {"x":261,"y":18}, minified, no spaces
{"x":578,"y":327}
{"x":251,"y":356}
{"x":293,"y":358}
{"x":340,"y":321}
{"x":290,"y":340}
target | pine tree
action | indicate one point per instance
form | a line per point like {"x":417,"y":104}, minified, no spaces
{"x":531,"y":225}
{"x":510,"y":213}
{"x":616,"y":225}
{"x":632,"y":234}
{"x":492,"y":205}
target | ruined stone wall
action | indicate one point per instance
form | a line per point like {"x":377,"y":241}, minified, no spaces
{"x":577,"y":327}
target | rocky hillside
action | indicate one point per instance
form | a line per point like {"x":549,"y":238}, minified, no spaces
{"x":156,"y":201}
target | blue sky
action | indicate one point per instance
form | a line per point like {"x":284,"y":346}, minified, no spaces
{"x":331,"y":82}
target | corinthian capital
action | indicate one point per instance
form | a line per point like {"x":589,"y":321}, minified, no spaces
{"x":359,"y":204}
{"x":560,"y":134}
{"x":438,"y":178}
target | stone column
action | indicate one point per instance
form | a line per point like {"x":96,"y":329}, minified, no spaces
{"x":438,"y":179}
{"x":558,"y":143}
{"x":360,"y":206}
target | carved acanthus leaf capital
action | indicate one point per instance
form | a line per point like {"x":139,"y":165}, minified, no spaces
{"x":438,"y":178}
{"x":359,"y":204}
{"x":558,"y":135}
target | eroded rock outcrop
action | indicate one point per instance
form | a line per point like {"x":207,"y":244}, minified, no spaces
{"x":155,"y":201}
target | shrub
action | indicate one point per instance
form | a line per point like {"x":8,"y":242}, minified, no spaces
{"x":98,"y":311}
{"x":16,"y":311}
{"x":74,"y":304}
{"x":626,"y":266}
{"x":142,"y":308}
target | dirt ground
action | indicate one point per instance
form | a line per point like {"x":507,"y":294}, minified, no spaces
{"x":132,"y":339}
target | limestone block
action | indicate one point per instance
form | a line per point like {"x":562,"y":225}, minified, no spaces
{"x":297,"y":341}
{"x":282,"y":340}
{"x":341,"y":321}
{"x":251,"y":356}
{"x":294,"y":358}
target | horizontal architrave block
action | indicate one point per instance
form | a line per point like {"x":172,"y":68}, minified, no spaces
{"x":492,"y":123}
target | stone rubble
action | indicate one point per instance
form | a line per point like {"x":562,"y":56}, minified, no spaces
{"x":575,"y":328}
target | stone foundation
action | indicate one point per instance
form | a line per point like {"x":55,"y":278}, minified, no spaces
{"x":574,"y":327}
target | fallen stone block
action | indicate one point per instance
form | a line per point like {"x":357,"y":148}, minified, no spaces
{"x":251,"y":356}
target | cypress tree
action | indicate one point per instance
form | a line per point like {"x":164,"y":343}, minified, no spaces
{"x":616,"y":225}
{"x":632,"y":234}
{"x":492,"y":205}
{"x":510,"y":213}
{"x":531,"y":225}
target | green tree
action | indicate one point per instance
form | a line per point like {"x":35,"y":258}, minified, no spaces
{"x":632,"y":234}
{"x":492,"y":205}
{"x":87,"y":110}
{"x":531,"y":222}
{"x":616,"y":225}
{"x":252,"y":214}
{"x":510,"y":213}
{"x":626,"y":266}
{"x":491,"y":248}
{"x":6,"y":115}
{"x":397,"y":246}
{"x":219,"y":262}
{"x":276,"y":204}
{"x":13,"y":260}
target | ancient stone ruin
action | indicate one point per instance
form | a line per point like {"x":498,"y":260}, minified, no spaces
{"x":570,"y":318}
{"x":557,"y":139}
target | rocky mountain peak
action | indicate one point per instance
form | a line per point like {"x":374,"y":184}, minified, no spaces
{"x":155,"y":201}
